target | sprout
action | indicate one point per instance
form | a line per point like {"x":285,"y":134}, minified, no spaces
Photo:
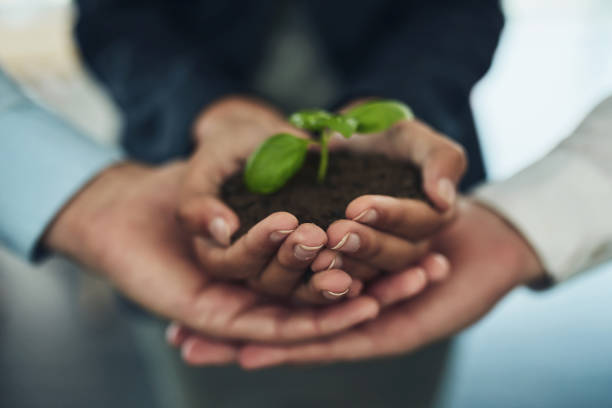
{"x":277,"y":159}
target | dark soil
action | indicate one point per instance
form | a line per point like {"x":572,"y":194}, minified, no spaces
{"x":349,"y":176}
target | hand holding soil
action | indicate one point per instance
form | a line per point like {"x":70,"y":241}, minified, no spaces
{"x":385,"y":234}
{"x":273,"y":255}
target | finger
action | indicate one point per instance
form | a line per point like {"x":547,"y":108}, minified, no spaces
{"x":399,"y":286}
{"x":328,"y":259}
{"x":199,"y":210}
{"x":284,"y":271}
{"x":442,"y":171}
{"x":349,"y":346}
{"x":176,"y":334}
{"x":227,"y":311}
{"x":324,"y":287}
{"x":200,"y":350}
{"x":207,"y":216}
{"x":406,"y":218}
{"x":442,"y":161}
{"x":248,"y":256}
{"x":437,"y":267}
{"x":434,"y":268}
{"x":303,"y":324}
{"x":378,"y":249}
{"x":398,"y":329}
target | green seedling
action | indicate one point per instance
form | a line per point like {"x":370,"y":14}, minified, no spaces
{"x":277,"y":159}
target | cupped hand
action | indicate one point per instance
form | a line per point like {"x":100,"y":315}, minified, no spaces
{"x":123,"y":225}
{"x":274,"y":255}
{"x":488,"y":257}
{"x":382,"y":233}
{"x":388,"y":290}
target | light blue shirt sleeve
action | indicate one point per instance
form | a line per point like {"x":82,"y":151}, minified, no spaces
{"x":43,"y":163}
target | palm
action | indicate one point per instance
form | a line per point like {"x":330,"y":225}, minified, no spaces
{"x":143,"y":250}
{"x":480,"y":248}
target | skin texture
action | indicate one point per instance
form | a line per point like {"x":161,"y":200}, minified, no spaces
{"x":228,"y":131}
{"x":394,"y":239}
{"x":157,"y":235}
{"x":277,"y":251}
{"x":488,"y":257}
{"x":124,"y":226}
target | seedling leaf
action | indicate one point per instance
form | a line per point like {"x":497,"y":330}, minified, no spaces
{"x":274,"y":163}
{"x":378,"y":116}
{"x":312,"y":120}
{"x":344,"y":125}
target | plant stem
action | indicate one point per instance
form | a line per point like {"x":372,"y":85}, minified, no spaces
{"x":325,"y":135}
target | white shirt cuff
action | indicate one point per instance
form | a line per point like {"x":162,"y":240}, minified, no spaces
{"x":562,"y":206}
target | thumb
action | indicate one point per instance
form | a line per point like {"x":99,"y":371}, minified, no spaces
{"x":207,"y":216}
{"x":442,"y":170}
{"x":441,"y":160}
{"x":200,"y":210}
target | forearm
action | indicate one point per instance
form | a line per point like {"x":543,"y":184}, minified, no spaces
{"x":43,"y":162}
{"x":561,"y":203}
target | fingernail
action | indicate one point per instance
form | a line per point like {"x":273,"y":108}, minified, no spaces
{"x":441,"y":260}
{"x":187,"y":349}
{"x":220,"y":231}
{"x":305,"y":252}
{"x":172,"y":332}
{"x":349,"y":243}
{"x":446,"y":190}
{"x":419,"y":283}
{"x":278,"y":236}
{"x":334,"y":295}
{"x":336,"y":262}
{"x":367,"y":217}
{"x":443,"y":270}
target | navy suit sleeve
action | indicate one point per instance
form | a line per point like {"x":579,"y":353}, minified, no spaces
{"x":159,"y":78}
{"x":428,"y":54}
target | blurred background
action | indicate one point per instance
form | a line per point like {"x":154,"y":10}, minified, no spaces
{"x":63,"y":341}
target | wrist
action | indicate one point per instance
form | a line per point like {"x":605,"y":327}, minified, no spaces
{"x":515,"y":250}
{"x":70,"y":232}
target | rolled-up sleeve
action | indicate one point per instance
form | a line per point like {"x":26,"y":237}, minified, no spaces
{"x":561,"y":204}
{"x":43,"y":163}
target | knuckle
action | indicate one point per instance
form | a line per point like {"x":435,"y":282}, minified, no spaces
{"x":458,"y":155}
{"x":289,"y":264}
{"x":252,"y":247}
{"x":372,"y":248}
{"x":187,"y":213}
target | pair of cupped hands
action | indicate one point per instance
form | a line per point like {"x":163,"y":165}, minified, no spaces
{"x":382,"y":281}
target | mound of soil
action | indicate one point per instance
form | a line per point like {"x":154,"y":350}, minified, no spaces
{"x":349,"y":176}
